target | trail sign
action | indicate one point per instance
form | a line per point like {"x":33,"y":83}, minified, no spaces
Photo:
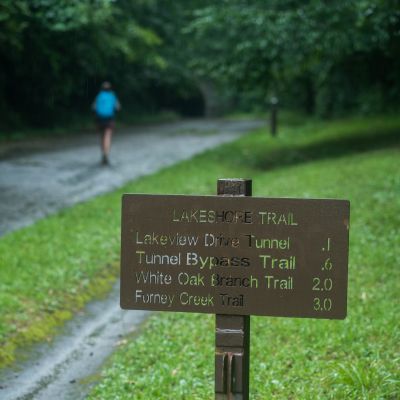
{"x":235,"y":255}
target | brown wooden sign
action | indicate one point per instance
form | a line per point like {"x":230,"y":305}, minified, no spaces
{"x":235,"y":255}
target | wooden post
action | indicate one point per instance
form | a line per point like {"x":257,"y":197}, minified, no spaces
{"x":232,"y":332}
{"x":274,"y":116}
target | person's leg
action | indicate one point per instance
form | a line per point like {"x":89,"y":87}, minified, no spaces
{"x":107,"y":140}
{"x":106,"y":143}
{"x":102,"y":128}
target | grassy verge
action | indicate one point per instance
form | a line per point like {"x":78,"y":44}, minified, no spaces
{"x":290,"y":358}
{"x":50,"y":269}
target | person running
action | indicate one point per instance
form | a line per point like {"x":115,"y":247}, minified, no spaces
{"x":105,"y":105}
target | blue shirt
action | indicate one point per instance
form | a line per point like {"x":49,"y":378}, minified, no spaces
{"x":105,"y":104}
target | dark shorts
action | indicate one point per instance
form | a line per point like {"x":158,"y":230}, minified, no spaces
{"x":104,"y":123}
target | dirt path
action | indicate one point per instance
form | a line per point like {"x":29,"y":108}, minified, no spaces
{"x":59,"y":370}
{"x":37,"y":182}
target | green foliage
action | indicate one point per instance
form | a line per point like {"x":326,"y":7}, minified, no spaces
{"x":291,"y":358}
{"x":57,"y":52}
{"x":327,"y":57}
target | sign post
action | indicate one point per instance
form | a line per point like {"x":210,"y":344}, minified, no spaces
{"x":234,"y":255}
{"x":232,"y":332}
{"x":274,"y":116}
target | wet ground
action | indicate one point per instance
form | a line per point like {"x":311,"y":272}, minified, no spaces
{"x":37,"y":179}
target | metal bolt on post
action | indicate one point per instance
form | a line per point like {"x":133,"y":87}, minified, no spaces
{"x":232,"y":332}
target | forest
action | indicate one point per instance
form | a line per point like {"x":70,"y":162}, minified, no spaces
{"x":195,"y":58}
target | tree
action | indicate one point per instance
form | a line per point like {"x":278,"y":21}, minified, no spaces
{"x":55,"y":53}
{"x":324,"y":56}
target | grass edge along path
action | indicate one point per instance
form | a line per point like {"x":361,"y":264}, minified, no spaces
{"x":356,"y":358}
{"x":50,"y":267}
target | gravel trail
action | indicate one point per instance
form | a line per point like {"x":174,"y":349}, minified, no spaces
{"x":37,"y":181}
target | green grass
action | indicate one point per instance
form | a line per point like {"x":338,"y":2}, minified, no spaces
{"x":290,"y":358}
{"x":50,"y":269}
